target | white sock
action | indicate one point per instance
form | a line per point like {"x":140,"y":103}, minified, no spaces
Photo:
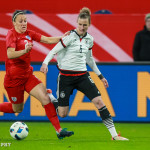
{"x":113,"y":132}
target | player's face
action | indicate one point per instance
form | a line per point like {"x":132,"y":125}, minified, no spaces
{"x":148,"y":24}
{"x":20,"y":23}
{"x":82,"y":27}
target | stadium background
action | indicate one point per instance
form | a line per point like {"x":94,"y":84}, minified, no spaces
{"x":113,"y":33}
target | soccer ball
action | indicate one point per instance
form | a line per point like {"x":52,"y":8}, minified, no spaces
{"x":19,"y":130}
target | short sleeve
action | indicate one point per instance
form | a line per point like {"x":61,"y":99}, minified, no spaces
{"x":35,"y":36}
{"x":10,"y":40}
{"x":65,"y":41}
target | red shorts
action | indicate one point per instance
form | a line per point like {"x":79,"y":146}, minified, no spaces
{"x":16,"y":94}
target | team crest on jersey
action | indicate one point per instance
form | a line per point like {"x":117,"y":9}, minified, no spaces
{"x":74,"y":40}
{"x":62,"y":94}
{"x":86,"y":42}
{"x":28,"y":37}
{"x":14,"y":99}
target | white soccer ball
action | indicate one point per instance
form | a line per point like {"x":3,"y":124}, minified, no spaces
{"x":19,"y":130}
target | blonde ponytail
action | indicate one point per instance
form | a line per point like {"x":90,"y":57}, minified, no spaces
{"x":85,"y":13}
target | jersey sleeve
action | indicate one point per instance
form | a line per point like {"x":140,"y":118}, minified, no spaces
{"x":91,"y":43}
{"x":65,"y":41}
{"x":35,"y":36}
{"x":91,"y":62}
{"x":10,"y":40}
{"x":59,"y":47}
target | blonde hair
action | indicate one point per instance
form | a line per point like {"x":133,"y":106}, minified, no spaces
{"x":85,"y":13}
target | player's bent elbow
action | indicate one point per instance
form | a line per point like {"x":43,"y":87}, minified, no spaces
{"x":9,"y":56}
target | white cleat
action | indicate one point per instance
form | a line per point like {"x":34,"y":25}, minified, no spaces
{"x":52,"y":98}
{"x":120,"y":138}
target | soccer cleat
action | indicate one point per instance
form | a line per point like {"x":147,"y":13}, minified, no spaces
{"x":53,"y":99}
{"x":120,"y":138}
{"x":63,"y":133}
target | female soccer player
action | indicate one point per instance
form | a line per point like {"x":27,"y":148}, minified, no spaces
{"x":73,"y":52}
{"x":19,"y":74}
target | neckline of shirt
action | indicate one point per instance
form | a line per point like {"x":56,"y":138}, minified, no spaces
{"x":81,"y":37}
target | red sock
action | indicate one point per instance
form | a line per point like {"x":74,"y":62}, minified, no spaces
{"x":6,"y":107}
{"x":52,"y":116}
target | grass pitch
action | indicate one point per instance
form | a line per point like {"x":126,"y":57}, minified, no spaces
{"x":88,"y":136}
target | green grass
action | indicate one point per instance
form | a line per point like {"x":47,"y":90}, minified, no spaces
{"x":88,"y":136}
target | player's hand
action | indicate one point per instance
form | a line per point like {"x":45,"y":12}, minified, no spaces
{"x":67,"y":33}
{"x":28,"y":47}
{"x":44,"y":68}
{"x":105,"y":82}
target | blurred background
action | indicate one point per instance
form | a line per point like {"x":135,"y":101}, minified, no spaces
{"x":114,"y":25}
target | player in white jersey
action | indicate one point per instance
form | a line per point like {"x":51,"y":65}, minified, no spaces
{"x":73,"y":52}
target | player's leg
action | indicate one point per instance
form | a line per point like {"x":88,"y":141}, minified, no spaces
{"x":51,"y":96}
{"x":64,"y":90}
{"x":18,"y":108}
{"x":8,"y":107}
{"x":39,"y":92}
{"x":16,"y":98}
{"x":106,"y":118}
{"x":63,"y":93}
{"x":105,"y":115}
{"x":63,"y":111}
{"x":35,"y":88}
{"x":88,"y":87}
{"x":53,"y":99}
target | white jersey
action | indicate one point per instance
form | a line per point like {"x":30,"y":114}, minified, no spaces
{"x":73,"y":52}
{"x":73,"y":57}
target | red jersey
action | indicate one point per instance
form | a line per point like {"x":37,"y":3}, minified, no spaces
{"x":18,"y":69}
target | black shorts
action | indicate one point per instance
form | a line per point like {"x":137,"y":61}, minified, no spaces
{"x":83,"y":83}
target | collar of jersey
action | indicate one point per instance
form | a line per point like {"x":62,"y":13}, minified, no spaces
{"x":79,"y":35}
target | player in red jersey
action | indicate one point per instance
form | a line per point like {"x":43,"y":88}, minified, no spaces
{"x":19,"y":74}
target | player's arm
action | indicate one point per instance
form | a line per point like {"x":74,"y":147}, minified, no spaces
{"x":50,"y":56}
{"x":11,"y":53}
{"x":64,"y":42}
{"x":52,"y":40}
{"x":49,"y":40}
{"x":91,"y":62}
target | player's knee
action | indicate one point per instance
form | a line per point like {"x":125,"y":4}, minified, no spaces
{"x":63,"y":111}
{"x":98,"y":102}
{"x":45,"y":99}
{"x":62,"y":115}
{"x":18,"y":110}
